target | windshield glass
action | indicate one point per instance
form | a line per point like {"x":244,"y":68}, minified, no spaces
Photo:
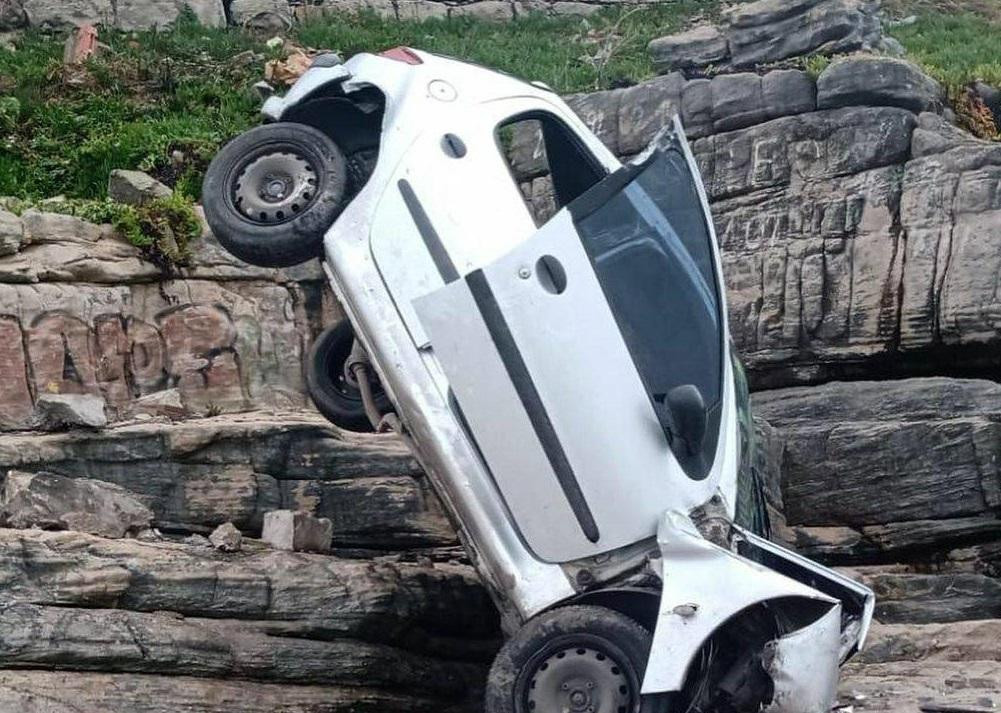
{"x":648,"y":239}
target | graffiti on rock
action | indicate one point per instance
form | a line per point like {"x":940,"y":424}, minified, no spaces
{"x":191,"y":348}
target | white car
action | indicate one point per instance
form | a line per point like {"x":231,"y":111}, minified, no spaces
{"x":564,"y":376}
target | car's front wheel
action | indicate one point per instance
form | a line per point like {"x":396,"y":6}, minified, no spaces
{"x":582,"y":659}
{"x":271,"y":193}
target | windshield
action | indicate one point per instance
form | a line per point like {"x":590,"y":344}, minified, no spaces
{"x":650,"y":245}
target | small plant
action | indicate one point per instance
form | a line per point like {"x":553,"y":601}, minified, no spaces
{"x":972,"y":114}
{"x":164,"y":228}
{"x":815,"y":64}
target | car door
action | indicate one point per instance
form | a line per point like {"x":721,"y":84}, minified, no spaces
{"x":583,"y":359}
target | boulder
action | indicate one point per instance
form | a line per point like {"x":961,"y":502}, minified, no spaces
{"x":64,"y":14}
{"x":262,"y":15}
{"x":772,"y":30}
{"x":991,"y":97}
{"x":297,"y":531}
{"x":11,"y":233}
{"x":54,"y":412}
{"x":168,"y":403}
{"x":12,"y":16}
{"x":135,"y":187}
{"x":52,"y":502}
{"x":769,"y":31}
{"x":878,"y":81}
{"x":145,"y":14}
{"x":226,"y":538}
{"x":861,"y":454}
{"x":742,"y":100}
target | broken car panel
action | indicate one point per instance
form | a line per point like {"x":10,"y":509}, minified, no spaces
{"x":566,"y":379}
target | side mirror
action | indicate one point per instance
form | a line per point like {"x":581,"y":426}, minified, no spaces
{"x":688,"y":411}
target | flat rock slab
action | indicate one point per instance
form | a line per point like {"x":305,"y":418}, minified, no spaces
{"x":314,"y":596}
{"x":115,"y":641}
{"x":926,"y":667}
{"x":71,"y":692}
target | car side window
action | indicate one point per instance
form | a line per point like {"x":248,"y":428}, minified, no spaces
{"x":551,"y":165}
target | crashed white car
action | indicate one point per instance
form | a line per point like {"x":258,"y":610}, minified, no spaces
{"x":565,"y":377}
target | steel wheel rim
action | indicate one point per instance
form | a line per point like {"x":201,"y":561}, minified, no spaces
{"x":274,"y":186}
{"x":580,"y":677}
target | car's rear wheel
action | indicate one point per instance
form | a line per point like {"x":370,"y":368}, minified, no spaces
{"x":271,"y":193}
{"x":576,"y":659}
{"x":333,"y":391}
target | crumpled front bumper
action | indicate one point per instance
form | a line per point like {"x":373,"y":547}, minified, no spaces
{"x":706,"y":585}
{"x":804,"y":667}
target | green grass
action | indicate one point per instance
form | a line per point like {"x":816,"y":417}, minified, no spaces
{"x":165,"y":102}
{"x":955,"y":48}
{"x":154,"y":94}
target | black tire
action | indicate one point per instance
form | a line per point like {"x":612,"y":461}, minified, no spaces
{"x":542,"y":664}
{"x":271,"y":193}
{"x":332,"y":393}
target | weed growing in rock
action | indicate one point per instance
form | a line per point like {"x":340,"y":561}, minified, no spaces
{"x":165,"y":229}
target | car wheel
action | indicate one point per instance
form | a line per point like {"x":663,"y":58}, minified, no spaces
{"x":584,"y":659}
{"x":270,"y":194}
{"x":332,"y":391}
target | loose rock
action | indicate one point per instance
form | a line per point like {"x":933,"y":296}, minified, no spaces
{"x":261,"y":15}
{"x":135,"y":187}
{"x":52,"y":502}
{"x":226,"y":538}
{"x":54,"y":412}
{"x":298,"y":531}
{"x":11,"y":233}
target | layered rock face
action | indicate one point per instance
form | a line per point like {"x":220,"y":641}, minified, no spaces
{"x":860,"y":231}
{"x":393,"y":620}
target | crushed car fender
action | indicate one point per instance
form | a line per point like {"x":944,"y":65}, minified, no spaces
{"x":704,"y":586}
